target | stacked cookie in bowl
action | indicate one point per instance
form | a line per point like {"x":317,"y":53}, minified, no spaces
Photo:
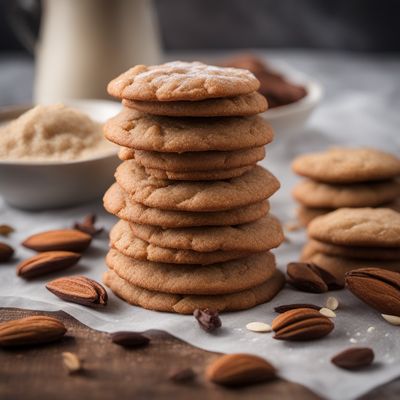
{"x":345,"y":177}
{"x":195,"y":229}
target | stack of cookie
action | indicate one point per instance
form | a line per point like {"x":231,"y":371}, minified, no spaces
{"x":345,"y":177}
{"x":194,"y":229}
{"x":351,"y":238}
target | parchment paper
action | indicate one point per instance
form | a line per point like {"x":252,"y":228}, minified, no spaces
{"x":353,"y":116}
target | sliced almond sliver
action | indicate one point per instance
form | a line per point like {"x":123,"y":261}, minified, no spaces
{"x":259,"y":327}
{"x":392,"y":319}
{"x":332,"y":303}
{"x":327,"y":312}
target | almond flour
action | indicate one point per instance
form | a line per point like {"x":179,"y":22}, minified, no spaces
{"x":52,"y":133}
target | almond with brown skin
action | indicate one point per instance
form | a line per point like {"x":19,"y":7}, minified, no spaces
{"x":6,"y":252}
{"x":80,"y":290}
{"x":309,"y":277}
{"x":301,"y":324}
{"x":286,"y":307}
{"x":31,"y":331}
{"x":376,"y":287}
{"x":240,"y":370}
{"x":46,"y":262}
{"x":62,"y":239}
{"x":304,"y":277}
{"x":354,"y":358}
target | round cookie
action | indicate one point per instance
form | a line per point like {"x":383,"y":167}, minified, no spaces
{"x":222,"y":278}
{"x":252,"y":187}
{"x":133,"y":129}
{"x":375,"y":227}
{"x":187,"y":304}
{"x":261,"y":235}
{"x":306,"y":214}
{"x":117,"y":202}
{"x":212,"y":175}
{"x":237,"y":106}
{"x":338,"y":266}
{"x":123,"y":239}
{"x":363,"y":253}
{"x":347,"y":165}
{"x":178,"y":80}
{"x":323,"y":195}
{"x":197,"y":160}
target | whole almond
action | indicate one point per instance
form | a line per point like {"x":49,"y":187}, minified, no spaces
{"x":354,"y":358}
{"x":301,"y":324}
{"x":63,"y":239}
{"x":30,"y":331}
{"x":306,"y":278}
{"x":239,"y":370}
{"x":376,"y":287}
{"x":46,"y":262}
{"x":6,"y":252}
{"x":286,"y":307}
{"x":80,"y":290}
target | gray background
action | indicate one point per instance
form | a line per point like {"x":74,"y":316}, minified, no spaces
{"x":358,"y":25}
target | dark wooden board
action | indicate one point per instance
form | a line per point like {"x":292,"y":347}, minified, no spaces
{"x":112,"y":372}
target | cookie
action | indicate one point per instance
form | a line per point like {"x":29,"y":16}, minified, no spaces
{"x":338,"y":266}
{"x":212,"y":175}
{"x":222,"y":278}
{"x":123,"y":239}
{"x":323,"y":195}
{"x":306,"y":214}
{"x":181,"y":304}
{"x":363,"y":253}
{"x":375,"y":227}
{"x":197,"y":160}
{"x":252,"y":187}
{"x":347,"y":165}
{"x":178,"y":80}
{"x":131,"y":128}
{"x":125,"y":153}
{"x":261,"y":235}
{"x":237,"y":106}
{"x":117,"y":202}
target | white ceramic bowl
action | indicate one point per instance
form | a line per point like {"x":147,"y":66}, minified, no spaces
{"x":293,"y":117}
{"x":40,"y":186}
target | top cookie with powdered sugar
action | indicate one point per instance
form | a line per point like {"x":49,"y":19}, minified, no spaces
{"x":178,"y":80}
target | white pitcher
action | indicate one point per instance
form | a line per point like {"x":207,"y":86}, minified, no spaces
{"x":83,"y":44}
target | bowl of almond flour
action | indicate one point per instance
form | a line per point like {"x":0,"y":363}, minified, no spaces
{"x":55,"y":155}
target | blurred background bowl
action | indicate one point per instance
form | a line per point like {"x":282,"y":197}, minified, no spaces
{"x":45,"y":185}
{"x":292,"y":118}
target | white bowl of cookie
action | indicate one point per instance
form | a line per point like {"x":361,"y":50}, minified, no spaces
{"x":55,"y":156}
{"x":292,"y":96}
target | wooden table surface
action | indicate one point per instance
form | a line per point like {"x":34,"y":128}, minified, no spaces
{"x":113,"y":372}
